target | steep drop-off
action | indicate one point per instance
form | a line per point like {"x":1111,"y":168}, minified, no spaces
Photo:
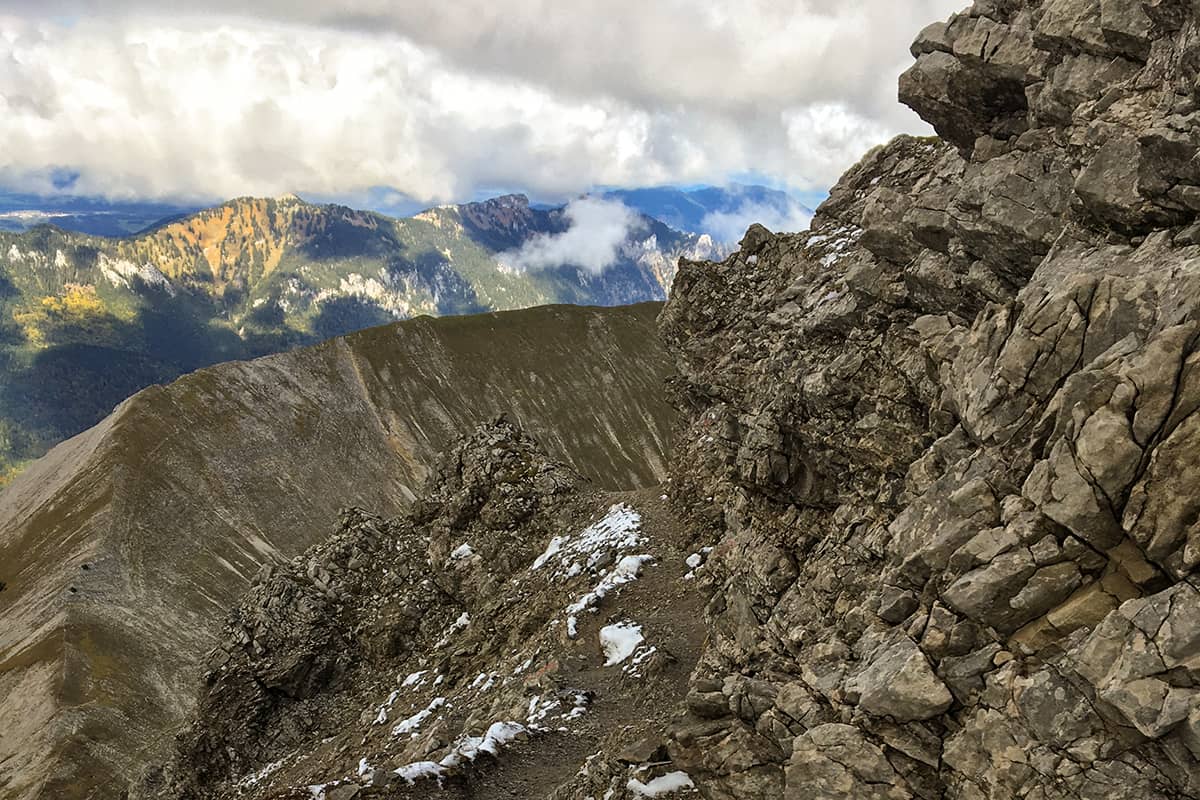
{"x":944,"y":445}
{"x":123,"y":547}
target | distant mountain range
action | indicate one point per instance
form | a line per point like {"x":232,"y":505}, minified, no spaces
{"x":96,"y":216}
{"x":715,"y":210}
{"x":86,"y":321}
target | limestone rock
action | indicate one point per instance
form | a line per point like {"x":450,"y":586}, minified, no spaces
{"x":899,"y":683}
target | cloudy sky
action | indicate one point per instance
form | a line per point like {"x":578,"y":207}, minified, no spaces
{"x":445,"y":100}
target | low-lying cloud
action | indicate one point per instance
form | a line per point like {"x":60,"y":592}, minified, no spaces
{"x":598,"y":231}
{"x":728,"y":227}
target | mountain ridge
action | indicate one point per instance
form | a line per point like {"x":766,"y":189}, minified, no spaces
{"x":105,"y":622}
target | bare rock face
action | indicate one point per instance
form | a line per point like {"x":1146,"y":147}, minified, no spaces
{"x":946,"y":437}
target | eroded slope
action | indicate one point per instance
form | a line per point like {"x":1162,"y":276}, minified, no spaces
{"x":123,"y":548}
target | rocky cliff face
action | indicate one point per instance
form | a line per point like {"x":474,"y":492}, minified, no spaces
{"x":948,"y":433}
{"x":943,"y":446}
{"x":122,"y":549}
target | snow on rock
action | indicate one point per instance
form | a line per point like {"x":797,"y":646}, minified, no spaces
{"x":579,"y":707}
{"x":413,"y":723}
{"x":628,"y":569}
{"x":459,"y":624}
{"x":467,"y":748}
{"x":602,"y":542}
{"x":119,"y":272}
{"x":540,"y":708}
{"x":484,"y":682}
{"x":255,"y":777}
{"x":695,"y":560}
{"x":462,"y":552}
{"x":420,"y":769}
{"x":663,"y":785}
{"x":414,"y":679}
{"x":619,"y":529}
{"x":381,"y":717}
{"x":496,"y":737}
{"x":619,"y":641}
{"x":633,"y":666}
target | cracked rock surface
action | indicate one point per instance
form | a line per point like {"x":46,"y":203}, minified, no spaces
{"x":951,"y":436}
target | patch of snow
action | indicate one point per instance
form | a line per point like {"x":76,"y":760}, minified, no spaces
{"x":119,"y":272}
{"x":381,"y":717}
{"x":694,"y":560}
{"x":420,"y":769}
{"x":413,"y":723}
{"x":255,"y":777}
{"x":619,"y":641}
{"x":618,"y":529}
{"x":665,"y":784}
{"x":579,"y":708}
{"x":484,"y":681}
{"x":461,"y":552}
{"x":634,"y":667}
{"x":552,"y":550}
{"x":469,"y":747}
{"x":414,"y":679}
{"x":538,"y":710}
{"x":459,"y":624}
{"x":628,"y":569}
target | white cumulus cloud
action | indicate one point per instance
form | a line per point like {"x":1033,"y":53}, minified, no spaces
{"x":597,"y":231}
{"x":441,"y":101}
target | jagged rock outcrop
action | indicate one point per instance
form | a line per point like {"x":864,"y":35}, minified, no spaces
{"x":403,"y":655}
{"x":948,"y":432}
